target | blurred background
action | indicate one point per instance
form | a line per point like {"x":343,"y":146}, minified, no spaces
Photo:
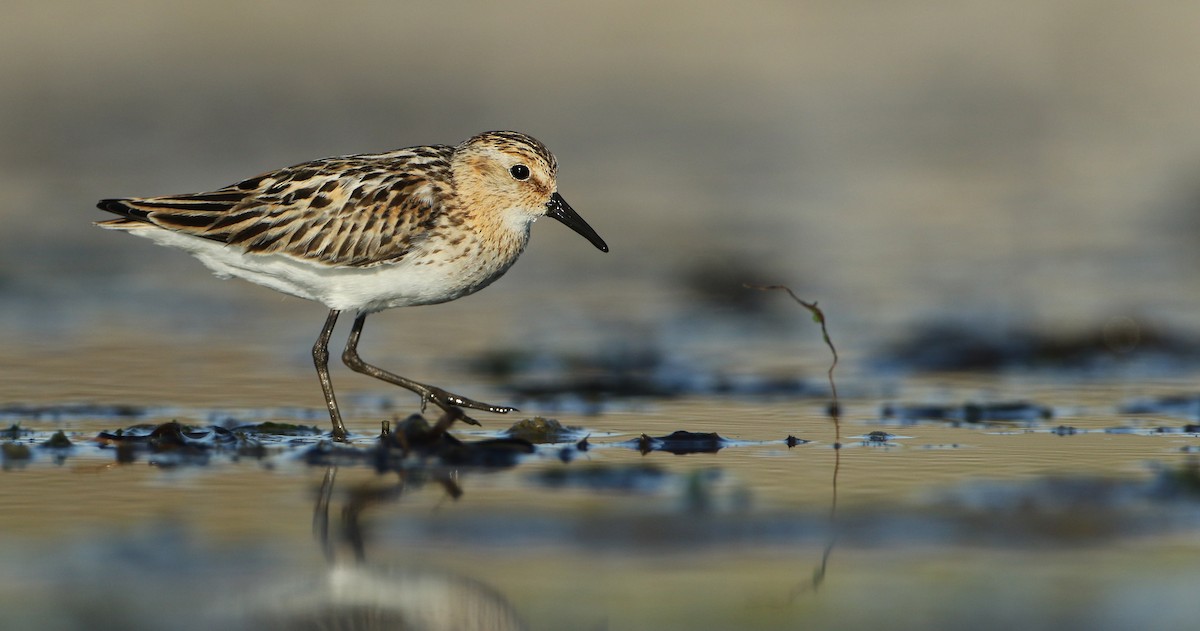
{"x":979,"y":186}
{"x":1017,"y":164}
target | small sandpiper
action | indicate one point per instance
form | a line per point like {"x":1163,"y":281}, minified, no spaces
{"x":415,"y":226}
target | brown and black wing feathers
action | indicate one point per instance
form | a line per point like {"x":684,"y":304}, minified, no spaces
{"x":355,"y":211}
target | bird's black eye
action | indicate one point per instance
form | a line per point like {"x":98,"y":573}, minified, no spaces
{"x":519,"y":172}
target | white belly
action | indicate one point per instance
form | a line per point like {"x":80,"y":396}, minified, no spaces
{"x":369,"y":289}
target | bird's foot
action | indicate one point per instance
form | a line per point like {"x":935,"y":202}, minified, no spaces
{"x":449,"y":401}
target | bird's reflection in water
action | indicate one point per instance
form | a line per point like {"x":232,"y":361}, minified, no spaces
{"x":355,"y":594}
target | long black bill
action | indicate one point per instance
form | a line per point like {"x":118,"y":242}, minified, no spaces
{"x":562,"y":211}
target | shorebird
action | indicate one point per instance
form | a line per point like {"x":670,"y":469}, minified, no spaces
{"x":363,"y":233}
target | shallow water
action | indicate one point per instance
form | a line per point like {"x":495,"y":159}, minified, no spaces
{"x":1085,"y":519}
{"x":1038,"y":492}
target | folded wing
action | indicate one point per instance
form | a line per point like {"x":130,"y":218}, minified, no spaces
{"x":356,"y":211}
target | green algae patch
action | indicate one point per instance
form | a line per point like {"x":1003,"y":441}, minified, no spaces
{"x":539,"y":430}
{"x":58,"y":440}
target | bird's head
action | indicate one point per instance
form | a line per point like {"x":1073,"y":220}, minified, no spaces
{"x":514,"y":174}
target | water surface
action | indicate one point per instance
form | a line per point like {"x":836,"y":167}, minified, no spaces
{"x":1087,"y":518}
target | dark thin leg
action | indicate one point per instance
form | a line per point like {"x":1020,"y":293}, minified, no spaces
{"x":320,"y":352}
{"x":429,"y":394}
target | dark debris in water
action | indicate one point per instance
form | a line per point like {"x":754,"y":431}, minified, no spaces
{"x":639,"y":374}
{"x":174,"y":444}
{"x":1185,"y":406}
{"x":1025,"y":414}
{"x":792,"y":441}
{"x":58,"y":440}
{"x":168,"y":444}
{"x":680,"y":443}
{"x":415,"y":442}
{"x":958,"y":347}
{"x":70,"y":410}
{"x":58,"y":446}
{"x":278,"y":429}
{"x":14,"y":432}
{"x":972,"y":413}
{"x":878,"y":438}
{"x":1076,"y":509}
